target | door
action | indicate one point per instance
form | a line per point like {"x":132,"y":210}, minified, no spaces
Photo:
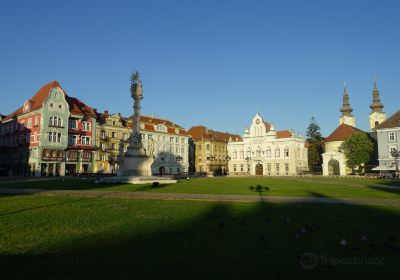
{"x":259,"y":169}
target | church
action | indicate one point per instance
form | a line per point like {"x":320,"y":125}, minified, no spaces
{"x":334,"y":161}
{"x":266,"y":151}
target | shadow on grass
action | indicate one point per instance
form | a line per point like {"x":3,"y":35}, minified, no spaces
{"x":59,"y":184}
{"x":223,"y":241}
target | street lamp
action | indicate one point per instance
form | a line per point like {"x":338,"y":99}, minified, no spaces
{"x":396,"y":154}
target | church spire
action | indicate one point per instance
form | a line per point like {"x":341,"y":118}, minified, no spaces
{"x":346,"y":109}
{"x":376,"y":105}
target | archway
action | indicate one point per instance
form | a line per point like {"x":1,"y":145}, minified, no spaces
{"x":333,"y":167}
{"x":259,"y":169}
{"x":161,"y":170}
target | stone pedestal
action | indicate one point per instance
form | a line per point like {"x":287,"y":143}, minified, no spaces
{"x":135,"y":165}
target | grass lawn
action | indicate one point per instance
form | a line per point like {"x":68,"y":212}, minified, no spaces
{"x":283,"y":186}
{"x":44,"y":237}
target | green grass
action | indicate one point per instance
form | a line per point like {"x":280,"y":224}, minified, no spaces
{"x":43,"y":237}
{"x":284,"y":186}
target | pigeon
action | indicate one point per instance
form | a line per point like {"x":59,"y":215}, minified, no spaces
{"x":364,"y":238}
{"x":343,"y":242}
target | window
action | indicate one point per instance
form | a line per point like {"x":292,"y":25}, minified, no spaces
{"x":54,"y":137}
{"x":286,"y":152}
{"x":102,"y":146}
{"x":103,"y":134}
{"x":36,"y":120}
{"x":150,"y":137}
{"x":258,"y":151}
{"x":60,"y":107}
{"x":241,"y":154}
{"x":114,"y":146}
{"x":86,"y":126}
{"x":114,"y":134}
{"x":72,"y":124}
{"x":392,"y":136}
{"x":248,"y":153}
{"x":125,"y":136}
{"x":298,"y":152}
{"x":277,"y":152}
{"x":85,"y":140}
{"x":30,"y":123}
{"x":269,"y":167}
{"x":234,"y":167}
{"x":241,"y":168}
{"x":51,"y":105}
{"x":234,"y":154}
{"x":208,"y":147}
{"x":268,"y":152}
{"x":287,"y":168}
{"x":171,"y":139}
{"x":277,"y":168}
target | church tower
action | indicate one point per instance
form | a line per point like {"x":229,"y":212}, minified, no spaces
{"x":347,"y":117}
{"x":376,"y":116}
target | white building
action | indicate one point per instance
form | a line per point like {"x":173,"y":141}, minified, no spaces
{"x":265,"y":151}
{"x":168,"y":143}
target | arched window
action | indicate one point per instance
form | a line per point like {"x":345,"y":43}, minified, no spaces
{"x":277,"y":152}
{"x":268,"y":152}
{"x":51,"y":121}
{"x":241,"y":154}
{"x":86,"y":126}
{"x":286,"y":152}
{"x":258,"y":151}
{"x":234,"y":154}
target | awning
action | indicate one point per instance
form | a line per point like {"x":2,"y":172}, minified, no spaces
{"x":384,"y":168}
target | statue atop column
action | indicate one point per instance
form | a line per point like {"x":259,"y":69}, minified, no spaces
{"x":137,"y":95}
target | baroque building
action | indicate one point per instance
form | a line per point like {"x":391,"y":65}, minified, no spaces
{"x":266,"y":151}
{"x":49,"y":134}
{"x":334,"y":161}
{"x":111,"y":129}
{"x":209,"y":150}
{"x":167,"y":142}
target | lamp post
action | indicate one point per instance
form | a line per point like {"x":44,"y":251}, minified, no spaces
{"x":396,"y":155}
{"x":227,"y":158}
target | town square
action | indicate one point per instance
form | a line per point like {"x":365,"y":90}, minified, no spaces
{"x":199,"y":140}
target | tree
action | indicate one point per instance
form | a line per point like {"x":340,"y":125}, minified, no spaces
{"x":357,"y":149}
{"x":315,"y":140}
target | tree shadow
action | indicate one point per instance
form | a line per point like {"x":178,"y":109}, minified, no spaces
{"x":218,"y":241}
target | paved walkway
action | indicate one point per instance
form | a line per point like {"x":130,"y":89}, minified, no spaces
{"x":204,"y":197}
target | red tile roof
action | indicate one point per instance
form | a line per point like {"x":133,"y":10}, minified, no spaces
{"x":341,"y":133}
{"x":149,"y":123}
{"x":283,"y":134}
{"x":203,"y":133}
{"x":76,"y":106}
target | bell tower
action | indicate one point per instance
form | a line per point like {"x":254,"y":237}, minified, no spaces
{"x":376,"y":117}
{"x":347,"y":117}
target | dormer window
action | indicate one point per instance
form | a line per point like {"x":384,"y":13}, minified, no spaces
{"x":60,"y":107}
{"x":51,"y":105}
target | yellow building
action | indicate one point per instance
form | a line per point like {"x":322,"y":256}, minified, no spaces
{"x":210,"y":150}
{"x":110,"y":130}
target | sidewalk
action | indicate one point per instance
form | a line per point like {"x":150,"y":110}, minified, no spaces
{"x":204,"y":197}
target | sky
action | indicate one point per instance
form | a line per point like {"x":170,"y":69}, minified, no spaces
{"x":212,"y":63}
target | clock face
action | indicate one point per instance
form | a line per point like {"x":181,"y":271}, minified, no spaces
{"x":257,"y":121}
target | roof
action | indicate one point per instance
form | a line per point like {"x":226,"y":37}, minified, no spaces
{"x":77,"y":107}
{"x":283,"y":134}
{"x":102,"y":118}
{"x":203,"y":133}
{"x":267,"y":126}
{"x":343,"y":132}
{"x":37,"y":100}
{"x":391,"y":122}
{"x":149,"y":123}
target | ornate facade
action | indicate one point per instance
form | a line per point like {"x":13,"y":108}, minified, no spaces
{"x":209,"y":150}
{"x":265,"y":151}
{"x":334,"y":161}
{"x":110,"y":130}
{"x":50,"y":134}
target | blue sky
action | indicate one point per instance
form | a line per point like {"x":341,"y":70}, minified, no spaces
{"x":206,"y":62}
